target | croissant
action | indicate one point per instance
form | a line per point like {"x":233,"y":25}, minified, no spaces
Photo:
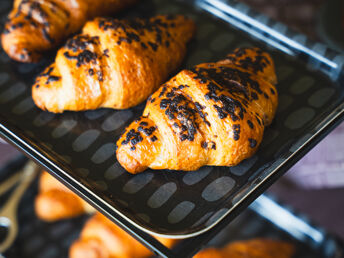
{"x":55,"y":201}
{"x":35,"y":26}
{"x":213,"y":114}
{"x":113,"y":63}
{"x":101,"y":238}
{"x":255,"y":248}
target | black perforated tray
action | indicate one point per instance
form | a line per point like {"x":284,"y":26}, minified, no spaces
{"x":262,"y":219}
{"x":78,"y":147}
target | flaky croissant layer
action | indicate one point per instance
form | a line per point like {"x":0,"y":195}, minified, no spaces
{"x":113,"y":63}
{"x":213,"y":114}
{"x":35,"y":26}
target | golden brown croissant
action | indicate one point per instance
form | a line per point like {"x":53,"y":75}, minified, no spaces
{"x":101,"y":238}
{"x":113,"y":63}
{"x":35,"y":26}
{"x":256,"y":248}
{"x":55,"y":201}
{"x":213,"y":114}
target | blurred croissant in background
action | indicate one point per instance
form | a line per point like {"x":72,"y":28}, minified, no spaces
{"x":101,"y":238}
{"x":255,"y":248}
{"x":55,"y":201}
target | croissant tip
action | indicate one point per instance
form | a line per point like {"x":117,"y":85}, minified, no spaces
{"x":18,"y":45}
{"x":18,"y":52}
{"x":44,"y":96}
{"x":129,"y":163}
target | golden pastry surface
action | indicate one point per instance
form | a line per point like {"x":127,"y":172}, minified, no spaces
{"x":113,"y":63}
{"x":213,"y":114}
{"x":256,"y":248}
{"x":35,"y":26}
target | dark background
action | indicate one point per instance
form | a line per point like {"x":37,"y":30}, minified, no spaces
{"x":323,"y":206}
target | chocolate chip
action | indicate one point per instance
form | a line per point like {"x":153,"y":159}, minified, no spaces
{"x":52,"y":78}
{"x":106,"y":53}
{"x":253,"y":142}
{"x":250,"y":124}
{"x":258,"y":120}
{"x":236,"y":132}
{"x":132,"y":137}
{"x":255,"y":63}
{"x":47,"y":36}
{"x":153,"y":45}
{"x":254,"y":96}
{"x":147,"y":131}
{"x":143,"y":123}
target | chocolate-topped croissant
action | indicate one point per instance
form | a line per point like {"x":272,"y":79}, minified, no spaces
{"x":35,"y":26}
{"x":213,"y":114}
{"x":113,"y":63}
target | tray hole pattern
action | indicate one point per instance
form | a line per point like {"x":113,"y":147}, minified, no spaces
{"x":85,"y":141}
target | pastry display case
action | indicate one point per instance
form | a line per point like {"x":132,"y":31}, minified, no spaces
{"x":78,"y":147}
